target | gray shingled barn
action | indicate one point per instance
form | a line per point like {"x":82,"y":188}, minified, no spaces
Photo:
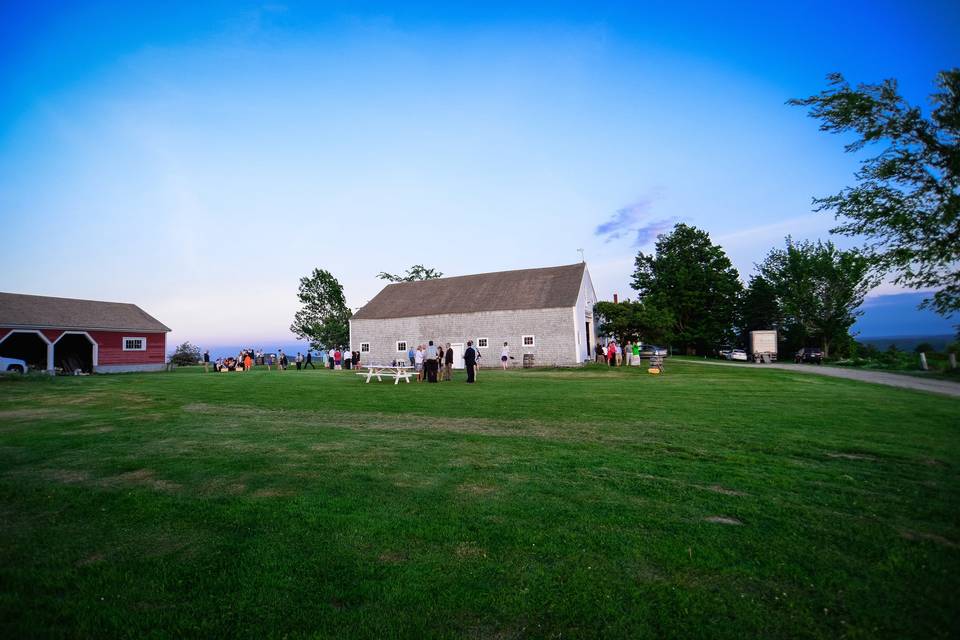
{"x":544,"y":314}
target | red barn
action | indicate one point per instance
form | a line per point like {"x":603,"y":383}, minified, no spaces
{"x":68,"y":334}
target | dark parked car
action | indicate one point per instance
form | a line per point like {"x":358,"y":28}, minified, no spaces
{"x":809,"y":354}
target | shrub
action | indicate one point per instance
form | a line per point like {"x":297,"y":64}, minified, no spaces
{"x":186,"y":354}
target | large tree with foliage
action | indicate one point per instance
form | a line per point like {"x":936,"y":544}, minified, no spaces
{"x":693,"y":280}
{"x":324,"y":317}
{"x":632,"y":321}
{"x":820,"y":289}
{"x":907,"y":198}
{"x":759,"y":306}
{"x":414,"y":273}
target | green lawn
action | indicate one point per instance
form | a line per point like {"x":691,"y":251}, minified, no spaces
{"x":709,"y":502}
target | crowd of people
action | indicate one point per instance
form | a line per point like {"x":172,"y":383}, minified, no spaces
{"x":613,"y":355}
{"x":249,"y":359}
{"x":432,"y":362}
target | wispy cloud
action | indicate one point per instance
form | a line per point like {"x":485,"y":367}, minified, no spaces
{"x":634,"y":221}
{"x":622,"y":221}
{"x":649,"y":232}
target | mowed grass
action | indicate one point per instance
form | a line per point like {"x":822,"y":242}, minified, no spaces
{"x":718,"y":502}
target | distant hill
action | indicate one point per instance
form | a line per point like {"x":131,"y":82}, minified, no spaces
{"x":907,"y":343}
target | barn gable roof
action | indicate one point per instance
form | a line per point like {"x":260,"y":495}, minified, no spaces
{"x":546,"y":288}
{"x":20,"y":310}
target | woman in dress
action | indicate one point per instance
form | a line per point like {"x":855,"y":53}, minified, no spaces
{"x":504,"y":356}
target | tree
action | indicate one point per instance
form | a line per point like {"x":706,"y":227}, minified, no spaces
{"x":186,"y":354}
{"x":416,"y":272}
{"x":324,"y":317}
{"x":693,"y":280}
{"x":759,"y":306}
{"x":632,"y":321}
{"x":820,"y":289}
{"x":907,"y":198}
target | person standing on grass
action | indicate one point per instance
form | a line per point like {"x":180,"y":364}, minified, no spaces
{"x":356,"y":359}
{"x":504,"y":356}
{"x":309,"y":361}
{"x":418,"y":362}
{"x":330,"y":360}
{"x":448,"y":364}
{"x":299,"y":361}
{"x":281,"y":360}
{"x":440,"y":353}
{"x":636,"y":352}
{"x":470,"y":362}
{"x":267,"y":360}
{"x":337,"y":355}
{"x":598,"y":352}
{"x":247,"y":362}
{"x":618,"y":353}
{"x":627,"y":353}
{"x":611,"y":353}
{"x":430,"y":362}
{"x":411,"y":356}
{"x":206,"y":361}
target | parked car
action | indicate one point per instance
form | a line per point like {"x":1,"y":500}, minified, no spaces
{"x":729,"y":353}
{"x":809,"y":354}
{"x":649,"y":350}
{"x":13,"y":365}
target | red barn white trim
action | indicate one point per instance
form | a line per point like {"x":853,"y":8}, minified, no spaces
{"x":89,"y":335}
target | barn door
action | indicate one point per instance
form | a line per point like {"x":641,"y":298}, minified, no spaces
{"x":457,"y":348}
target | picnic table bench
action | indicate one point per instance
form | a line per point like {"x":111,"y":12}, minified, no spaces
{"x":397,"y":372}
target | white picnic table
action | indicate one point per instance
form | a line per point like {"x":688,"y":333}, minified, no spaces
{"x":397,"y":372}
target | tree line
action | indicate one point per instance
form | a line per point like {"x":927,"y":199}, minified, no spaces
{"x":691,"y":296}
{"x":905,"y":207}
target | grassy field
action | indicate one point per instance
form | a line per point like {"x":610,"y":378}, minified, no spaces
{"x":710,"y":502}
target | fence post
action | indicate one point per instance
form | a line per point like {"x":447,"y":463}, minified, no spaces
{"x":923,"y":361}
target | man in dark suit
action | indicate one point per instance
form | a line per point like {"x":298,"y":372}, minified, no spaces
{"x":447,"y":363}
{"x":470,"y":360}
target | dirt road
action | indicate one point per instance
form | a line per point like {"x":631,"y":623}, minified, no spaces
{"x":903,"y":381}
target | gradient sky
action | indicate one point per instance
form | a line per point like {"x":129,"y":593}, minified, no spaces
{"x":198,"y":158}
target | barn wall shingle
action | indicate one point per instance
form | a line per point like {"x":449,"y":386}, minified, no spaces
{"x":553,"y":330}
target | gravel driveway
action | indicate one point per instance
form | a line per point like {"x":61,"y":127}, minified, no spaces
{"x":903,"y":381}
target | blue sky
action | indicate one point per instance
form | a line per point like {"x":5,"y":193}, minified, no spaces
{"x":198,"y":158}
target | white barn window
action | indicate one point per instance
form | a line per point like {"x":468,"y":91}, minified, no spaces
{"x":483,"y":343}
{"x":137,"y":343}
{"x":402,"y":346}
{"x":528,"y":341}
{"x":364,"y":347}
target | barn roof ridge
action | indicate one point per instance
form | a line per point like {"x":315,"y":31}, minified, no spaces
{"x":29,"y":310}
{"x":518,"y":289}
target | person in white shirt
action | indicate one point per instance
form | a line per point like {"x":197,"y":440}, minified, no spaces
{"x":505,"y":356}
{"x":418,"y":362}
{"x":619,"y":354}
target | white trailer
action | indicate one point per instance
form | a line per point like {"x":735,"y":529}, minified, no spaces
{"x":763,"y":346}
